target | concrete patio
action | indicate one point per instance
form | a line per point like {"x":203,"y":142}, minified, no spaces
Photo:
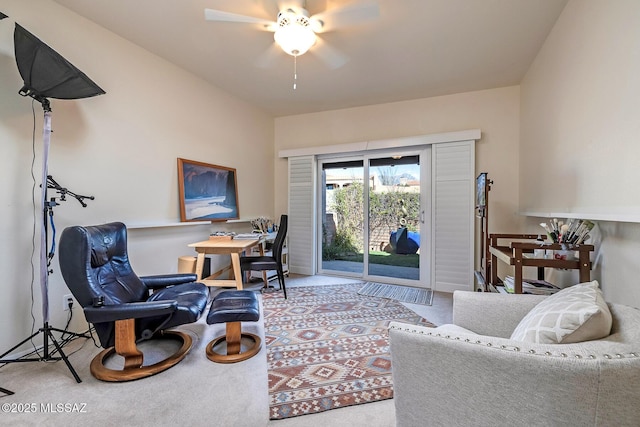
{"x":374,"y":269}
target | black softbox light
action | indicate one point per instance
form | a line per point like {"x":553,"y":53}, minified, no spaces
{"x":46,"y":73}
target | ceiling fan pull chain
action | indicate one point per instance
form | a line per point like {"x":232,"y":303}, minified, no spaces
{"x":295,"y":71}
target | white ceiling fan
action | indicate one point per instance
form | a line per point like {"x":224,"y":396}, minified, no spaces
{"x":295,"y":31}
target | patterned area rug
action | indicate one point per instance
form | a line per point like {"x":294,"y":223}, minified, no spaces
{"x":328,"y":347}
{"x":398,"y":293}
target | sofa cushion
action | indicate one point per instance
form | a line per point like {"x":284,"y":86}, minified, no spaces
{"x":574,"y":314}
{"x":450,"y":328}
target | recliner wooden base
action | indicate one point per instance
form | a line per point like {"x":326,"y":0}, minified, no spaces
{"x":133,"y":368}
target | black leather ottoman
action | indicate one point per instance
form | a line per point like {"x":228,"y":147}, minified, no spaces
{"x":232,"y":308}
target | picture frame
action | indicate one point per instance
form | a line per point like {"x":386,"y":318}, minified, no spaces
{"x":208,"y":192}
{"x":481,"y":190}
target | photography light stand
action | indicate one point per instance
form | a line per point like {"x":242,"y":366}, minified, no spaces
{"x":46,"y":257}
{"x":4,"y":390}
{"x":47,"y":74}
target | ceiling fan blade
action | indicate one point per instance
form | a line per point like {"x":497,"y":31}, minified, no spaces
{"x":332,"y":57}
{"x":270,"y":7}
{"x":269,"y":57}
{"x":220,"y":16}
{"x":351,"y":14}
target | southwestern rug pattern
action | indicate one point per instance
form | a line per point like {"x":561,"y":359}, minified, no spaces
{"x":328,"y":347}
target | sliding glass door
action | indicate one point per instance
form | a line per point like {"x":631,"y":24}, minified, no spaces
{"x":394,"y":217}
{"x":342,"y":216}
{"x":373,"y":217}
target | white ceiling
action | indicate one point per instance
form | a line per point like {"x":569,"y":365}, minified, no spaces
{"x":415,"y":49}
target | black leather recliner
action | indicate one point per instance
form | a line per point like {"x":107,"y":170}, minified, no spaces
{"x":123,"y":307}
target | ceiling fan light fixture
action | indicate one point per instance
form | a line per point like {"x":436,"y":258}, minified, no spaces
{"x":294,"y":33}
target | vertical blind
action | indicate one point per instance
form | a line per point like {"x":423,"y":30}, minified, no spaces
{"x":301,"y":242}
{"x":453,"y":166}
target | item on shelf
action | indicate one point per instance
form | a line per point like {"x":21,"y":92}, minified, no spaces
{"x":564,"y":255}
{"x":531,"y":286}
{"x":574,"y":232}
{"x":247,"y":236}
{"x":221,"y":235}
{"x":539,"y":253}
{"x":262,"y":225}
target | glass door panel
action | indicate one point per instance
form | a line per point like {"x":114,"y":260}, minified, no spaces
{"x":342,"y":217}
{"x":394,"y":217}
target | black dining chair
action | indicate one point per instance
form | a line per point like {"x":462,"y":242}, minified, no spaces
{"x":269,"y":262}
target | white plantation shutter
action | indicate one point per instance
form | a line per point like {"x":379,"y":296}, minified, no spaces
{"x":452,"y":228}
{"x":301,"y":236}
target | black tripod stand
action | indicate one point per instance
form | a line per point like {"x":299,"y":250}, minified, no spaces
{"x":47,"y":330}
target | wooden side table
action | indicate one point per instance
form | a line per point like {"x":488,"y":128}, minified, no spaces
{"x":520,"y":254}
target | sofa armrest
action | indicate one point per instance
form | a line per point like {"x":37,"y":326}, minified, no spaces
{"x":491,"y":314}
{"x":468,"y":379}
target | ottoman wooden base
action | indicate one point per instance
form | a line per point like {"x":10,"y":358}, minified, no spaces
{"x":233,"y":339}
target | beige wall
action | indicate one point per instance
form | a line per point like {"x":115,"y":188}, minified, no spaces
{"x":570,"y":146}
{"x":494,"y":111}
{"x":572,"y":119}
{"x":120,"y":147}
{"x":579,"y":132}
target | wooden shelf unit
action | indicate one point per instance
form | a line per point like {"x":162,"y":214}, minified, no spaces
{"x":519,"y":255}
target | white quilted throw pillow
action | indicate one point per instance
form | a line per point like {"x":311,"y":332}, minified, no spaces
{"x":575,"y":314}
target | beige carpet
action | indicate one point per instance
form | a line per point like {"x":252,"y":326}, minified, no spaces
{"x":196,"y":392}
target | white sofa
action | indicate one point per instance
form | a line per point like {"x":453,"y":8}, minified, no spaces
{"x":448,"y":376}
